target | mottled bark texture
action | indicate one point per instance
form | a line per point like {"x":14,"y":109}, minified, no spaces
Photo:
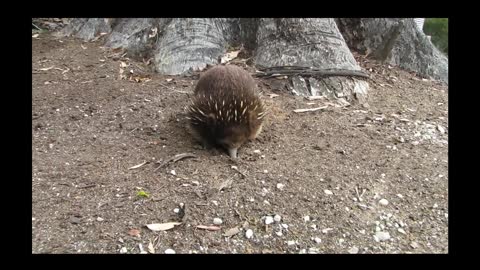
{"x":179,"y":45}
{"x":396,"y":42}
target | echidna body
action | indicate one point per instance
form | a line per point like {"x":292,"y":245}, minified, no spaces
{"x":225,"y":110}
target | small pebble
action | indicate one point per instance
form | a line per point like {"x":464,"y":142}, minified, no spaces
{"x":123,"y":250}
{"x":169,"y":251}
{"x":266,"y":202}
{"x":400,"y":196}
{"x":306,"y":218}
{"x":265,"y":171}
{"x":383,"y":202}
{"x":381,"y":236}
{"x":249,"y":233}
{"x":217,"y":221}
{"x":313,"y":250}
{"x":256,"y":151}
{"x":280,"y":186}
{"x":402,"y":231}
{"x":313,"y":226}
{"x":277,"y":218}
{"x":285,"y":226}
{"x":268,"y":220}
{"x":196,"y":183}
{"x":317,"y":240}
{"x":173,"y":172}
{"x":215,"y":203}
{"x":290,"y":243}
{"x":328,"y":192}
{"x":325,"y":231}
{"x":99,"y":219}
{"x":414,"y":245}
{"x":176,"y":210}
{"x":279,"y":233}
{"x":353,"y":250}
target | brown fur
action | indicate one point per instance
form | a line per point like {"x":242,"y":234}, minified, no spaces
{"x":225,"y":109}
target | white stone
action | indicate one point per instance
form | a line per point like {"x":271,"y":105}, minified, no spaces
{"x":290,"y":243}
{"x":277,"y":218}
{"x":99,"y":219}
{"x":123,"y":250}
{"x":169,"y":251}
{"x":381,"y":236}
{"x":173,"y":172}
{"x":353,"y":250}
{"x":268,"y":220}
{"x":249,"y":233}
{"x":383,"y":202}
{"x":176,"y":210}
{"x":217,"y":221}
{"x":280,"y":186}
{"x":328,"y":192}
{"x":306,"y":218}
{"x":317,"y":240}
{"x":402,"y":231}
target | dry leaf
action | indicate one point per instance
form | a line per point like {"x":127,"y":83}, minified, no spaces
{"x":225,"y":184}
{"x":150,"y":248}
{"x":134,"y":232}
{"x":208,"y":228}
{"x":231,"y":232}
{"x":229,"y":56}
{"x":137,"y":166}
{"x":310,"y":110}
{"x":46,"y":69}
{"x":162,"y":226}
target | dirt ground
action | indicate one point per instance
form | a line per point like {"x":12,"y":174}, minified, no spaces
{"x":340,"y":180}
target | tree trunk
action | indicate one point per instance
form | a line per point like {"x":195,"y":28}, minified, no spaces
{"x":311,"y":52}
{"x":396,"y":42}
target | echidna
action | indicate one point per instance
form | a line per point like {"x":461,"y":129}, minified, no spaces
{"x":225,"y":110}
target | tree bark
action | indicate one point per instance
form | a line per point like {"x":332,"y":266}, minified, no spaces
{"x":396,"y":42}
{"x":313,"y":53}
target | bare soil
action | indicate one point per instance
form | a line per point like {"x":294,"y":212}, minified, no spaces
{"x":336,"y":165}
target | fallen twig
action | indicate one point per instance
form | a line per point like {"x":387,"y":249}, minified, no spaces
{"x":236,"y":169}
{"x":175,"y":159}
{"x":88,"y":186}
{"x":310,"y":110}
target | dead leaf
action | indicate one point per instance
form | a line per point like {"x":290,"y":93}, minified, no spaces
{"x":208,"y":228}
{"x":154,"y":32}
{"x":229,"y":56}
{"x":162,"y":226}
{"x":231,"y":232}
{"x":150,"y":248}
{"x":225,"y":184}
{"x":134,"y":232}
{"x":137,"y":166}
{"x":310,"y":110}
{"x":46,"y":69}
